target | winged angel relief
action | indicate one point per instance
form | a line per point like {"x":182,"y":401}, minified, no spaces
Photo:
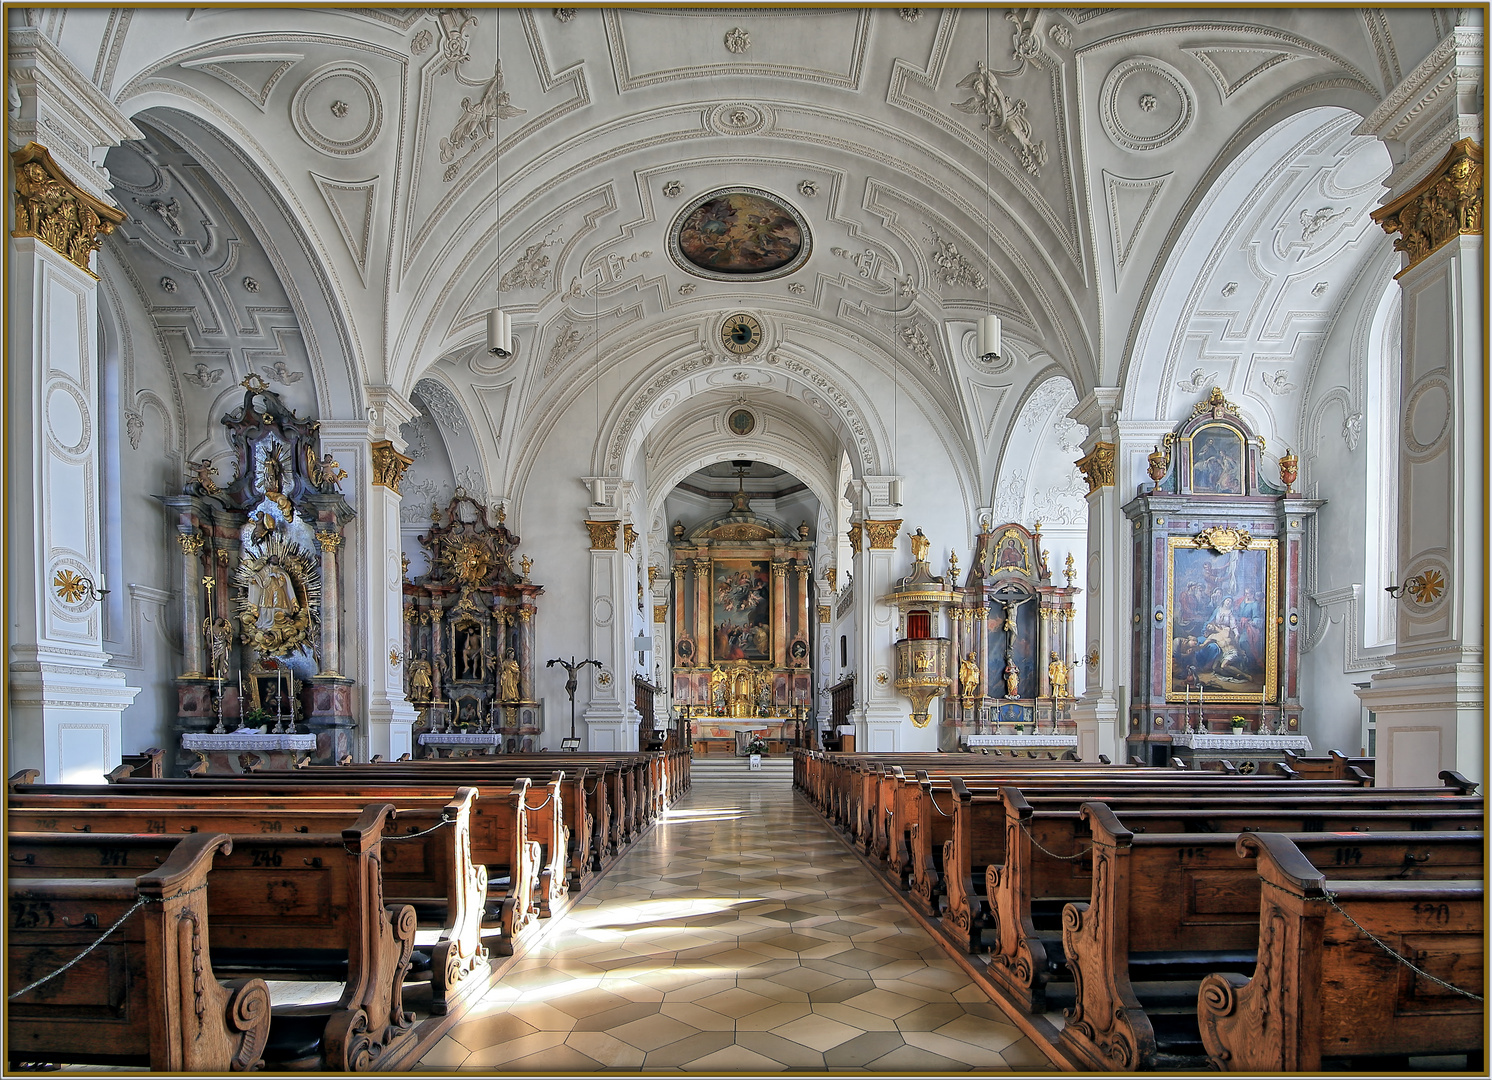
{"x":477,"y":121}
{"x":1004,"y":115}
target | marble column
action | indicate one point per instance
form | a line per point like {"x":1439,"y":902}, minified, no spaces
{"x":1430,"y":703}
{"x":192,"y":644}
{"x":779,"y":614}
{"x":331,"y":604}
{"x":66,"y":704}
{"x":704,"y":632}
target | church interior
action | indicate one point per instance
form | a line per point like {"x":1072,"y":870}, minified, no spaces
{"x":509,"y":401}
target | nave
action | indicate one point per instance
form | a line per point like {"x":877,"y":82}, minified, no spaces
{"x":738,"y":935}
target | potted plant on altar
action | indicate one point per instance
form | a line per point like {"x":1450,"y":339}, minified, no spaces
{"x":1238,"y":723}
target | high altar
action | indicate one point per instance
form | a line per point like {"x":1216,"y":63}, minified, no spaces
{"x":741,"y":604}
{"x":1218,"y":554}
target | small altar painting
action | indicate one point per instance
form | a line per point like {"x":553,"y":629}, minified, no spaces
{"x":1217,"y":460}
{"x":741,"y":606}
{"x":1011,"y":553}
{"x":1218,"y":622}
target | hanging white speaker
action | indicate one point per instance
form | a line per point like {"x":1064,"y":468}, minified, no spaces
{"x":499,"y":333}
{"x":989,"y":338}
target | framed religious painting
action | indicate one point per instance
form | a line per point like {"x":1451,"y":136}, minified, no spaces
{"x":1218,"y":455}
{"x":741,"y":609}
{"x":1220,"y":634}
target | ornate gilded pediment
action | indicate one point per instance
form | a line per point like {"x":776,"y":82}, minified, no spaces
{"x":739,"y":530}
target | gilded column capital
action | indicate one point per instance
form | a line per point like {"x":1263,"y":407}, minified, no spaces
{"x":854,"y":535}
{"x":1444,"y":205}
{"x":824,"y":614}
{"x":388,"y":465}
{"x":779,"y":569}
{"x":882,"y":534}
{"x":191,"y":542}
{"x":56,"y":211}
{"x":660,"y":613}
{"x":1097,"y":466}
{"x":331,"y":541}
{"x":603,"y":534}
{"x":629,"y":537}
{"x":831,"y":575}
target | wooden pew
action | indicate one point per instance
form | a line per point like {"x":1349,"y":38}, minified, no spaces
{"x":146,"y":996}
{"x":1045,"y":864}
{"x":1323,"y":991}
{"x":425,"y":859}
{"x":1165,"y":910}
{"x":498,"y":822}
{"x":302,"y":895}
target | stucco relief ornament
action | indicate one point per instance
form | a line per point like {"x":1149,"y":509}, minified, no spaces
{"x":808,"y":188}
{"x":456,"y":25}
{"x":422,"y":41}
{"x":673,"y":189}
{"x":565,"y":14}
{"x":737,"y":40}
{"x":1025,"y":44}
{"x":203,"y":376}
{"x":1005,"y":116}
{"x":531,"y":271}
{"x":909,"y":14}
{"x":478,"y":118}
{"x":953,"y":268}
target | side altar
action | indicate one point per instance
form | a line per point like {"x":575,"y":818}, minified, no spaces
{"x":260,"y":598}
{"x":1218,"y":551}
{"x":469,"y":635}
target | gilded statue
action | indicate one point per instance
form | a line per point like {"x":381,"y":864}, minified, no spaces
{"x":718,"y":679}
{"x":1056,"y":671}
{"x":968,"y":676}
{"x":919,"y":546}
{"x":420,"y":687}
{"x":1012,"y":676}
{"x":764,"y":692}
{"x":508,"y":678}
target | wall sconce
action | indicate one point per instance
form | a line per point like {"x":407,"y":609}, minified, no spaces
{"x":1425,"y":587}
{"x":72,"y":587}
{"x":642,"y":643}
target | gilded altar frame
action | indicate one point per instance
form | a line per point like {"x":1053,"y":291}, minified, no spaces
{"x":1264,"y":555}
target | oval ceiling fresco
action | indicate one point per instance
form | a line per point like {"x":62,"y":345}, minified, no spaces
{"x":739,"y":234}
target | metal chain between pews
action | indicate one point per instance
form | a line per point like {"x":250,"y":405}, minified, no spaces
{"x":138,"y":904}
{"x":1331,"y":899}
{"x":1037,"y":844}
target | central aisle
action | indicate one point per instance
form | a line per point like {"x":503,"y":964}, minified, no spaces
{"x":739,"y":935}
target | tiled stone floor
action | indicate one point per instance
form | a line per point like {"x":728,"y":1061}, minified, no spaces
{"x":738,"y":936}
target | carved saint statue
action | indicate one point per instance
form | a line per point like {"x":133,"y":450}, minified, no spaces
{"x":968,"y":676}
{"x":219,"y":638}
{"x":420,"y":687}
{"x":764,"y":692}
{"x":509,"y":678}
{"x":1012,"y":676}
{"x":718,"y":680}
{"x":1056,"y":671}
{"x":276,"y":595}
{"x":1010,"y":609}
{"x":471,"y":657}
{"x":919,"y":546}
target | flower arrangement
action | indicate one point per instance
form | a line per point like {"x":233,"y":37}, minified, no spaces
{"x":757,"y":745}
{"x":1238,"y":723}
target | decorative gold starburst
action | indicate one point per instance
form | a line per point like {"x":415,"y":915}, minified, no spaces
{"x":393,"y":658}
{"x":69,"y":586}
{"x":1427,"y":586}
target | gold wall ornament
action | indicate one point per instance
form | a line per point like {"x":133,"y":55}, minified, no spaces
{"x":660,"y":613}
{"x":739,"y":530}
{"x":394,"y":658}
{"x":824,"y":614}
{"x":191,"y":542}
{"x":69,"y":586}
{"x":603,"y":534}
{"x":882,"y":534}
{"x":1097,"y":466}
{"x":1445,"y":204}
{"x":388,"y":465}
{"x":1426,"y":586}
{"x":854,"y":535}
{"x":629,"y":537}
{"x":331,"y":541}
{"x":652,"y":574}
{"x":603,"y":678}
{"x":831,"y":575}
{"x":56,"y":211}
{"x":1215,"y":403}
{"x":1223,"y":538}
{"x":1070,"y":570}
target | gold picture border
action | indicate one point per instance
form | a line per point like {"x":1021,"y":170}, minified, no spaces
{"x":1272,"y":641}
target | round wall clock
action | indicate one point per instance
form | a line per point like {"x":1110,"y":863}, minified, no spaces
{"x":741,"y":333}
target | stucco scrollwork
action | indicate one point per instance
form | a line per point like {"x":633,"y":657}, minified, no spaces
{"x":1004,"y":116}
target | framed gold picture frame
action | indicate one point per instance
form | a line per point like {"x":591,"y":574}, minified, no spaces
{"x":1221,"y":621}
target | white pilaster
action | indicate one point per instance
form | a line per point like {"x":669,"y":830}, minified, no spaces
{"x":1430,"y":704}
{"x":1106,"y":653}
{"x":611,"y":717}
{"x":882,"y":716}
